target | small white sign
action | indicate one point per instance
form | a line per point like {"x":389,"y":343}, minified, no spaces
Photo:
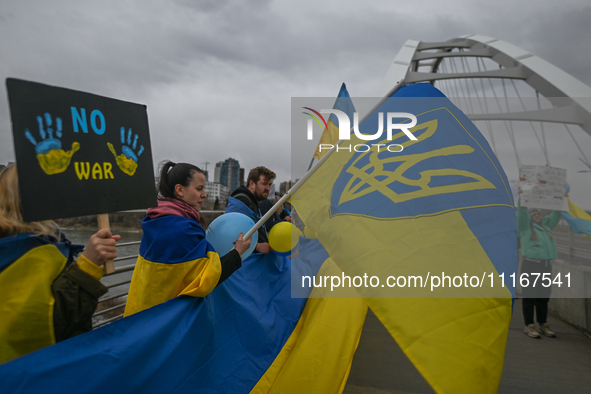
{"x":543,"y":187}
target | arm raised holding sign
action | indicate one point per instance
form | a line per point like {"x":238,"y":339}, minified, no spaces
{"x":538,"y":247}
{"x":45,"y":296}
{"x":175,"y":258}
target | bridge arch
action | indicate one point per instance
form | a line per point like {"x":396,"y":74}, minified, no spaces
{"x":499,"y":85}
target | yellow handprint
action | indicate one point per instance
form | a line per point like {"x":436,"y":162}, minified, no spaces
{"x":56,"y":160}
{"x":52,"y":158}
{"x":127,"y":161}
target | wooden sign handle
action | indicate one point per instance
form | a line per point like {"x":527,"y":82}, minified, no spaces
{"x":103,"y":222}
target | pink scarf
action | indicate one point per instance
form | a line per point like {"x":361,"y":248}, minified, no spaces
{"x":172,"y":206}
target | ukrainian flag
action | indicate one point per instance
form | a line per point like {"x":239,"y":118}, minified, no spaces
{"x":318,"y":354}
{"x":578,"y":219}
{"x":247,"y":335}
{"x":331,"y":132}
{"x":442,"y":206}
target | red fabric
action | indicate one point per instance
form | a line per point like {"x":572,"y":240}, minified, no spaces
{"x":172,"y":206}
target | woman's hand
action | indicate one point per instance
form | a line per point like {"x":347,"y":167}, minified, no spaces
{"x":102,"y":246}
{"x":241,"y":245}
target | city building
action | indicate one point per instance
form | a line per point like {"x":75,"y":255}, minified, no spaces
{"x":217,"y":171}
{"x":285,"y":186}
{"x":216,"y":190}
{"x":227,"y":173}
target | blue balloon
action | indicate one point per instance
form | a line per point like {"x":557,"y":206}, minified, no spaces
{"x":225,"y":229}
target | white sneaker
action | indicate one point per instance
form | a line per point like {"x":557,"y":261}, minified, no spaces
{"x":545,"y":329}
{"x":530,"y":330}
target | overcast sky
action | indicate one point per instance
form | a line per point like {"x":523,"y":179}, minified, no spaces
{"x":218,"y":76}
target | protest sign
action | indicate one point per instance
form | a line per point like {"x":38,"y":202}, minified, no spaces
{"x":78,"y":153}
{"x":543,"y":187}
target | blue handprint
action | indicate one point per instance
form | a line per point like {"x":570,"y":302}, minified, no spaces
{"x":127,"y":161}
{"x":52,"y":158}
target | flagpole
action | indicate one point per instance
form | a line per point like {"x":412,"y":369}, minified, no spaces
{"x":312,"y":162}
{"x":308,"y":174}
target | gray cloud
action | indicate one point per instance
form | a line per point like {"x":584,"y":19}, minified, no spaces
{"x":218,"y":76}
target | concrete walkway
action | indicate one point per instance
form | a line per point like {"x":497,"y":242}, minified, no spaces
{"x":546,"y":365}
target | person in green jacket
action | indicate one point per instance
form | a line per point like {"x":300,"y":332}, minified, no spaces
{"x":538,"y":248}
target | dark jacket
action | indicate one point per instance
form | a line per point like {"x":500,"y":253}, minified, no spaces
{"x":246,"y":196}
{"x":265,"y":206}
{"x":76,"y":296}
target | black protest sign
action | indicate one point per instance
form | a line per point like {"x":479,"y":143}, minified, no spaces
{"x":78,"y":153}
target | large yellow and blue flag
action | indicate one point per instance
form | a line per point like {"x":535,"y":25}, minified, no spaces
{"x":250,"y":335}
{"x":432,"y":222}
{"x":318,"y":354}
{"x":247,"y":335}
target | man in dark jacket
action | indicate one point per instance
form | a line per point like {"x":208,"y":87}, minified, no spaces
{"x":281,"y":215}
{"x":257,"y":189}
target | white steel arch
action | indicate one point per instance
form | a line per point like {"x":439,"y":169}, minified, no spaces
{"x":483,"y":68}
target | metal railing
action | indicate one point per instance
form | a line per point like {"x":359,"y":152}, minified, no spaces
{"x":111,"y":304}
{"x":575,"y":248}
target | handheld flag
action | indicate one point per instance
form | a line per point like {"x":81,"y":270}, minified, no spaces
{"x":578,"y":219}
{"x":441,"y":206}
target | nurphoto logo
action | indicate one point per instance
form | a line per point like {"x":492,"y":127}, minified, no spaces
{"x":345,"y":128}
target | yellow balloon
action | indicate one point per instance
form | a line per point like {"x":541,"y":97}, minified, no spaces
{"x":284,"y":237}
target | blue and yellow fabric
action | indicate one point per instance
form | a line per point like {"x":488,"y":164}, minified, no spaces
{"x":331,"y":134}
{"x":441,"y":206}
{"x":248,"y":335}
{"x":578,"y":219}
{"x":317,"y":355}
{"x":28,"y":266}
{"x":191,"y":267}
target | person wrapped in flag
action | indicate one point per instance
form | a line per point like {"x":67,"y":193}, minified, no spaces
{"x":175,"y":258}
{"x":46,"y":296}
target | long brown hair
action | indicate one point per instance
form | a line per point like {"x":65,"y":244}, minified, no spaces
{"x":11,"y":220}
